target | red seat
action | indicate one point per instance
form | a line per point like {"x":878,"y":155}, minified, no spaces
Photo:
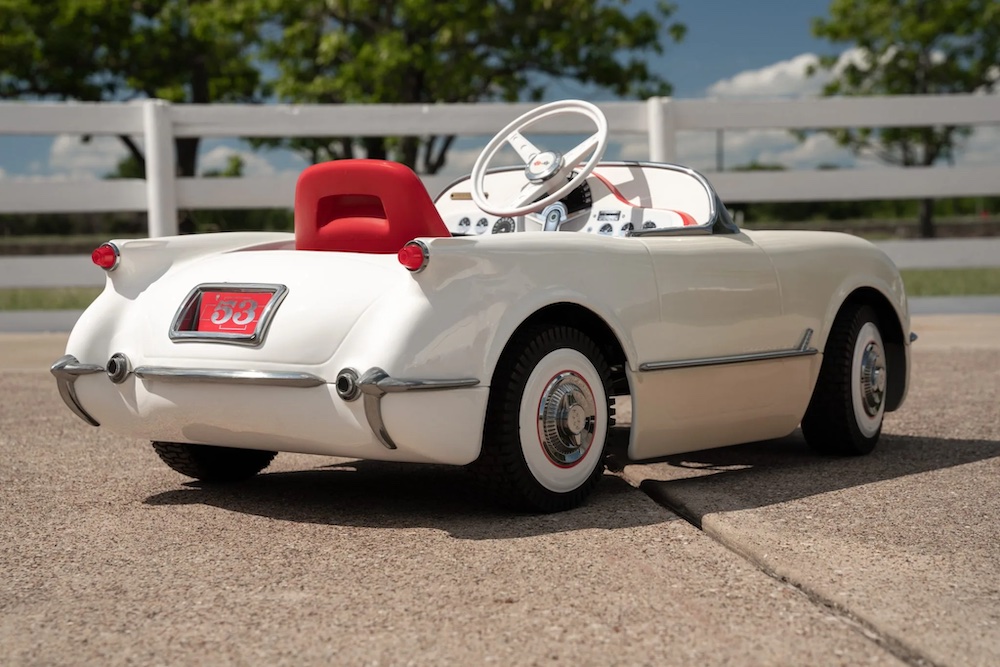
{"x":370,"y":206}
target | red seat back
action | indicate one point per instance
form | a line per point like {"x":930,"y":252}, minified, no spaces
{"x":362,"y":206}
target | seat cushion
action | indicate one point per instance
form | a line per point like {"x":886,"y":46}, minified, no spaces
{"x":371,"y":206}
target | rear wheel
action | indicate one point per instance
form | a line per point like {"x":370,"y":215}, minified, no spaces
{"x":845,"y":414}
{"x":547,"y":421}
{"x":213,"y":464}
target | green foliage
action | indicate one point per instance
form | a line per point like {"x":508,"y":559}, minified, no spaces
{"x":196,"y":51}
{"x":426,"y":51}
{"x":918,"y":47}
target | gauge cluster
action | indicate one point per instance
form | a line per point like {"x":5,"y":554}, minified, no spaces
{"x":479,"y":223}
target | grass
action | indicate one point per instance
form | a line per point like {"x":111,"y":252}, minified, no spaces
{"x":951,"y":282}
{"x":60,"y":298}
{"x":919,"y":282}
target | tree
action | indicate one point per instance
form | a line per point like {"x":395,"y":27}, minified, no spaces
{"x":924,"y":47}
{"x":427,"y":51}
{"x":91,"y":50}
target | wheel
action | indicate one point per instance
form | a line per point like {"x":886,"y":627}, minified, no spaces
{"x":547,"y":421}
{"x":845,"y":414}
{"x":550,"y":175}
{"x":213,"y":464}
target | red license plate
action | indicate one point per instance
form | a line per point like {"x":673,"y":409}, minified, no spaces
{"x":231,"y":312}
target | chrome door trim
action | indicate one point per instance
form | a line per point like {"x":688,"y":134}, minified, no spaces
{"x":802,"y":350}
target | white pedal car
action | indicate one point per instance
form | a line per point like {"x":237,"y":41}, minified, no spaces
{"x":495,"y":327}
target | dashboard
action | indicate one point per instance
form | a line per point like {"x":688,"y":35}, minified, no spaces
{"x":613,"y":201}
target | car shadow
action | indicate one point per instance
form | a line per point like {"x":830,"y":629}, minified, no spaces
{"x":779,"y":471}
{"x":389,"y":495}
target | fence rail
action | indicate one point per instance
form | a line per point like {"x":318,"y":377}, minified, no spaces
{"x":161,"y":194}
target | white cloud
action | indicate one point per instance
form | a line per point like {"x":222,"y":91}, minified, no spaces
{"x":79,"y":160}
{"x":982,"y":148}
{"x":815,"y":150}
{"x":254,"y":164}
{"x":3,"y":174}
{"x":787,"y":78}
{"x":699,"y":149}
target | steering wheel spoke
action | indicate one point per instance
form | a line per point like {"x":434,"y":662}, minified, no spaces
{"x":523,"y":146}
{"x":577,"y":153}
{"x":550,"y":176}
{"x":528,"y":195}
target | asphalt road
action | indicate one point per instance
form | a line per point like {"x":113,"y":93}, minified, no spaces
{"x":758,"y":554}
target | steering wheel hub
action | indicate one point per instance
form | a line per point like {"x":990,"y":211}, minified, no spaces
{"x":543,"y":166}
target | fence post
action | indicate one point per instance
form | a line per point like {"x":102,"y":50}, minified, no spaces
{"x":661,"y":128}
{"x":161,"y":172}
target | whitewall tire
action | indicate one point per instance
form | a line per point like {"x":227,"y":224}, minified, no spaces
{"x":547,"y":421}
{"x":848,"y":404}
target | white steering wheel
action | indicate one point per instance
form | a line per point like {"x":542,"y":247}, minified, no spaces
{"x":543,"y":170}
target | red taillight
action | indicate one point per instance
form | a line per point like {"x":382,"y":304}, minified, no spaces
{"x":414,"y":256}
{"x":106,"y":256}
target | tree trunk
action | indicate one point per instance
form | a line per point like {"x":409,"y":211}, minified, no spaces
{"x":374,"y":148}
{"x":927,"y":218}
{"x":187,"y":156}
{"x":410,"y":145}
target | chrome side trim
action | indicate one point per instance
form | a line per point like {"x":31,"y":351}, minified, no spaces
{"x":66,"y":370}
{"x":255,"y":339}
{"x":376,"y":383}
{"x":802,"y":350}
{"x":216,"y":376}
{"x":700,"y":230}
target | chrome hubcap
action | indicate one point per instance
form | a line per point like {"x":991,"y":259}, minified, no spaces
{"x":872,"y":378}
{"x":567,"y":414}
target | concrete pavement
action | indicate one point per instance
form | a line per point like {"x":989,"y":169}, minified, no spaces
{"x":784,"y":557}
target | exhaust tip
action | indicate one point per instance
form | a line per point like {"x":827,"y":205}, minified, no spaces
{"x":347,"y":384}
{"x":118,"y":368}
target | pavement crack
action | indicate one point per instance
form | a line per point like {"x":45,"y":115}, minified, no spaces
{"x":896,"y":647}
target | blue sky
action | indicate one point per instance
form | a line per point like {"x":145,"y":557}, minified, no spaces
{"x":726,"y":37}
{"x":733,"y":49}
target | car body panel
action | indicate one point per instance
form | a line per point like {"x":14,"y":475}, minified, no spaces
{"x":721,"y":330}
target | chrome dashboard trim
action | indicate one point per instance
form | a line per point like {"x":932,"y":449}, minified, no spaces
{"x":700,"y":230}
{"x":219,"y":376}
{"x":66,"y":370}
{"x":255,"y":339}
{"x":376,"y":383}
{"x":802,"y":350}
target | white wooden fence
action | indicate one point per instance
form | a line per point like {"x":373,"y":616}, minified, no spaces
{"x":660,"y":119}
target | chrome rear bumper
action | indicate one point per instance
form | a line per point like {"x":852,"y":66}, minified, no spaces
{"x":374,"y":384}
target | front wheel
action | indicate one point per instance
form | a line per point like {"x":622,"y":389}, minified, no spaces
{"x":547,"y":421}
{"x":213,"y":464}
{"x":845,"y":414}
